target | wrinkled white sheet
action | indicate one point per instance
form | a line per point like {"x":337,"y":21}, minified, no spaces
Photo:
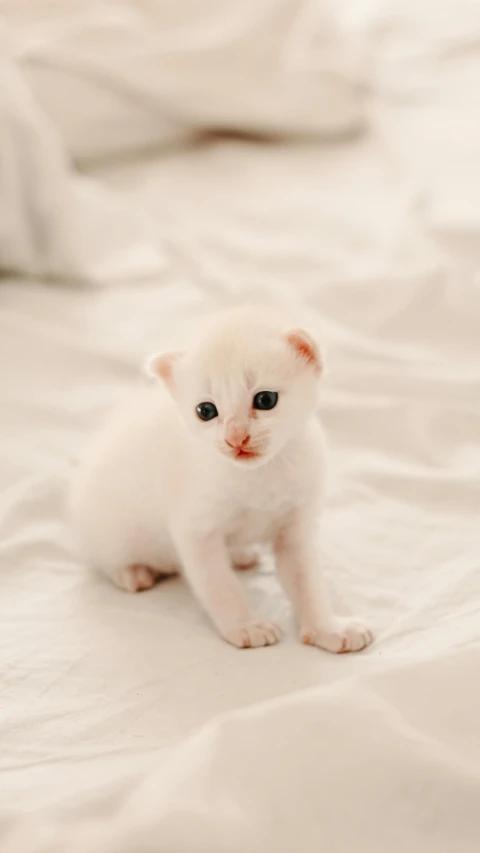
{"x":373,"y":764}
{"x":378,"y":241}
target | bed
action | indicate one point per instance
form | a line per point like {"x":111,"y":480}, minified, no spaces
{"x":125,"y":723}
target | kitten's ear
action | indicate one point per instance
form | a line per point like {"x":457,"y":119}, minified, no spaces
{"x":306,"y":349}
{"x":161,"y":365}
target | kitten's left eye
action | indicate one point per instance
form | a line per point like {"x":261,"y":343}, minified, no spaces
{"x":265,"y":400}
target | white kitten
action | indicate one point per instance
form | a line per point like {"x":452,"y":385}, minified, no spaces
{"x":223,"y":454}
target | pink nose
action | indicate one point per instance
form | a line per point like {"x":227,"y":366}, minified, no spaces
{"x":237,"y":441}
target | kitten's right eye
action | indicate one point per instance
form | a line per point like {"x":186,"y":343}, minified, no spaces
{"x":207,"y":411}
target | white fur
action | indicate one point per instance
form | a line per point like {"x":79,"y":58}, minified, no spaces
{"x":162,"y":490}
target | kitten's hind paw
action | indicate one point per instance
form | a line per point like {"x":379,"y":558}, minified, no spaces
{"x":136,"y":578}
{"x":252,"y":635}
{"x":347,"y":635}
{"x":245,"y":558}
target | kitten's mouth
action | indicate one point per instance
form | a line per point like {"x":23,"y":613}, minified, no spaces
{"x":246,"y":454}
{"x":243,"y":455}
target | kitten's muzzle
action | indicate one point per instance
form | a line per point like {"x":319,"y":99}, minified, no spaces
{"x":238,"y":444}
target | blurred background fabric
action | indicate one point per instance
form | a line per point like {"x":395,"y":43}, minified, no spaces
{"x":116,"y":77}
{"x":90,"y":81}
{"x":52,"y":222}
{"x":352,"y":202}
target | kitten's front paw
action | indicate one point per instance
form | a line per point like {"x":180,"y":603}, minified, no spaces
{"x":252,"y":635}
{"x":347,"y":635}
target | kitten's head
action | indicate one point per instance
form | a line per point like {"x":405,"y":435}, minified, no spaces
{"x":247,"y":386}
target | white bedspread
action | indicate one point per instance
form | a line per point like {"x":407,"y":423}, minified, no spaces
{"x":103,"y":695}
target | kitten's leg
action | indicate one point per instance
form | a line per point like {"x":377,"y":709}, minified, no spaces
{"x":245,"y":558}
{"x":298,"y":566}
{"x":206,"y":563}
